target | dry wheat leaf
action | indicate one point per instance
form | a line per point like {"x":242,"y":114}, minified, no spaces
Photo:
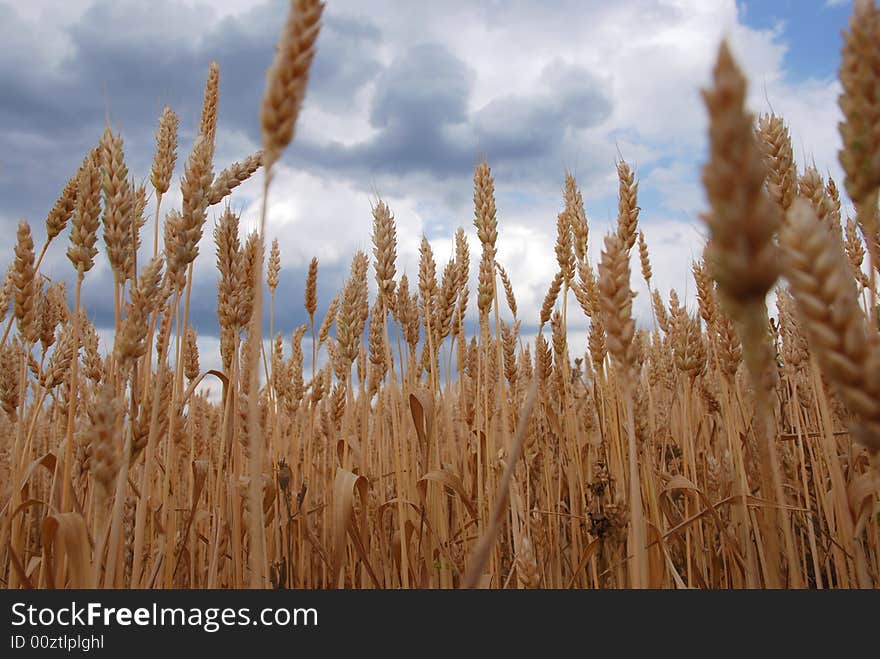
{"x":450,"y":481}
{"x":67,"y":532}
{"x":422,"y":409}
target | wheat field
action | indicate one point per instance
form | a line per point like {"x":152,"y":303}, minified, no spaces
{"x":423,"y":440}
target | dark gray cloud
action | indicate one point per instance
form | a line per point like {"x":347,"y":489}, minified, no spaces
{"x":522,"y":132}
{"x":420,"y":100}
{"x":289,"y":310}
{"x":420,"y":111}
{"x":126,"y":59}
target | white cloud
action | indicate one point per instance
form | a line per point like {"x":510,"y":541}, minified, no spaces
{"x":318,"y":216}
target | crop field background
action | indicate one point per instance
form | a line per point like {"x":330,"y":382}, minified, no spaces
{"x":492,"y":406}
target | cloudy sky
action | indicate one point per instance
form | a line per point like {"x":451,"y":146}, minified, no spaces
{"x":405,"y":98}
